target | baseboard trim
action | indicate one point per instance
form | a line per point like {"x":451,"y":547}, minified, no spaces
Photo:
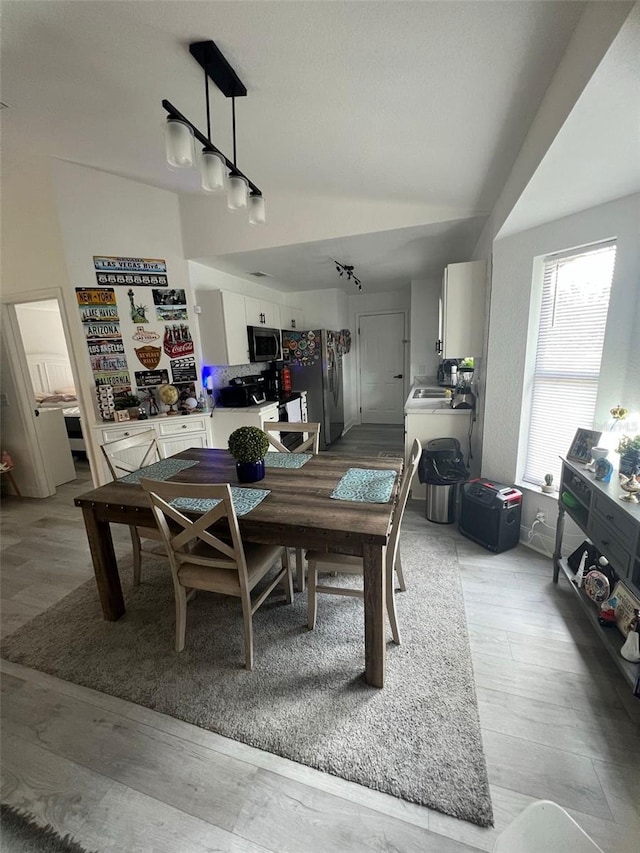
{"x":348,"y":426}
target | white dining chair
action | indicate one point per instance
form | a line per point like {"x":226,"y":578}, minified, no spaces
{"x":200,"y":560}
{"x":345,"y":564}
{"x":544,"y":827}
{"x":124,"y":456}
{"x":309,"y":445}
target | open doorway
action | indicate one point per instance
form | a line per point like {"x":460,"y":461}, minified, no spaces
{"x":42,"y":419}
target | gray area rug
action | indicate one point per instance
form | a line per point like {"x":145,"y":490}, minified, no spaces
{"x":21,"y":833}
{"x":306,"y":699}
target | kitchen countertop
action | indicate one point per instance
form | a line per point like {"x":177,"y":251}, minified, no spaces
{"x":439,"y":405}
{"x":261,"y":408}
{"x":256,"y":410}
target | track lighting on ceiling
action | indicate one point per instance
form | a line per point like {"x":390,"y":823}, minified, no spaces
{"x":217,"y":171}
{"x":348,"y":271}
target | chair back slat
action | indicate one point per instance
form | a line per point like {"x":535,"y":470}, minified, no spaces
{"x":311,"y":444}
{"x":118,"y":466}
{"x":405,"y":485}
{"x":178,"y":544}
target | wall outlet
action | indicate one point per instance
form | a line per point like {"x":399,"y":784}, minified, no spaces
{"x":540,"y":516}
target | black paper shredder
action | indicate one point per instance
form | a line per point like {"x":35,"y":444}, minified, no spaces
{"x":490,"y":514}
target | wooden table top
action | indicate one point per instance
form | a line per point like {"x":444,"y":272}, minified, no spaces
{"x":299,"y":508}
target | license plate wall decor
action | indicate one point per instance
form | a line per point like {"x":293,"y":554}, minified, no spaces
{"x":132,"y":317}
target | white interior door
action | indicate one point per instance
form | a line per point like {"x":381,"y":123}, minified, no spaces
{"x":382,"y":385}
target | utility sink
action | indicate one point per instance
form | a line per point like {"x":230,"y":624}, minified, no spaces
{"x":427,"y":394}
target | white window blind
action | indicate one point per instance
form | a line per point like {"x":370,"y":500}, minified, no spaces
{"x":573,"y":317}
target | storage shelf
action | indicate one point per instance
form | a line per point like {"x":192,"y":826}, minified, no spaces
{"x":611,"y":638}
{"x":579,"y":514}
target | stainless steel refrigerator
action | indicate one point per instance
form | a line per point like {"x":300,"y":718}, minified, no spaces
{"x":315,"y":361}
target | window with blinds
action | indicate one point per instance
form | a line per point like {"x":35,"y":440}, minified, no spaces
{"x":573,"y":318}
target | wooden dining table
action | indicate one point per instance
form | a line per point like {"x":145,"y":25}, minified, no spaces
{"x":298,"y":513}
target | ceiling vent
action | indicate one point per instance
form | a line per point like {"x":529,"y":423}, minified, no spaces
{"x":261,"y":274}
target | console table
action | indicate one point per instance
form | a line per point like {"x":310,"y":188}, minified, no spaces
{"x":613,"y":525}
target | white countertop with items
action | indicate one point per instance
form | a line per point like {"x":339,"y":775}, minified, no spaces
{"x":425,"y":397}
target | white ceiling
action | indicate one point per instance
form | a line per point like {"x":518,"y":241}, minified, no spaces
{"x":408,"y":102}
{"x":383,"y":261}
{"x":596,"y":156}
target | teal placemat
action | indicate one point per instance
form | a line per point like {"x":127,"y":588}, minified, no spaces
{"x":286,"y":460}
{"x":365,"y":485}
{"x":161,"y":470}
{"x":244,"y":500}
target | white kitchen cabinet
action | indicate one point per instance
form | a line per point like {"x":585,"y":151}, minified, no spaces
{"x":225,"y":421}
{"x":176,"y":434}
{"x":435,"y":423}
{"x":292,"y":318}
{"x":223,"y":327}
{"x":261,"y":313}
{"x":173,"y":434}
{"x":461,"y":310}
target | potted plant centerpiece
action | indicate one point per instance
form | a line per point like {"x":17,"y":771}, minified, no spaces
{"x":248,"y":446}
{"x":629,"y":450}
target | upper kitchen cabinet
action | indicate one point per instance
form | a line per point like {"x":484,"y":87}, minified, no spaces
{"x":461,"y":311}
{"x":292,"y":318}
{"x":223,"y":327}
{"x":261,"y":313}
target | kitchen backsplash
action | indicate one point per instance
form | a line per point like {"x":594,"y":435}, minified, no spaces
{"x":222,"y":374}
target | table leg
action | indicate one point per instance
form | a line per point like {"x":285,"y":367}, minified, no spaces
{"x":374,"y":614}
{"x":557,"y":553}
{"x":104,"y":565}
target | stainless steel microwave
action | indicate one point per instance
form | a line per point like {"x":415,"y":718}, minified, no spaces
{"x":264,"y":344}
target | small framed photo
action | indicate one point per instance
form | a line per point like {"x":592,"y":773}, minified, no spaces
{"x":583,"y":441}
{"x":121,"y":415}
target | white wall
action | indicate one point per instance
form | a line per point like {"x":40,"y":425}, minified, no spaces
{"x":102,"y":214}
{"x":57,"y":216}
{"x":208,"y":230}
{"x":508,"y":386}
{"x":596,"y":30}
{"x":41,"y":329}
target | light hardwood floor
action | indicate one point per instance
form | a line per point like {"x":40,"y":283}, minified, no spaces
{"x":557,"y":722}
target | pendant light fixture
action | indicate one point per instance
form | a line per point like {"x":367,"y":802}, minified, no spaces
{"x":216,"y":170}
{"x":212,"y":170}
{"x":237,"y":189}
{"x":257,"y":213}
{"x":179,"y":144}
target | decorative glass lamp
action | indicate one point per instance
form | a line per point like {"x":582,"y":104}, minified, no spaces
{"x":257,"y":214}
{"x":212,"y":169}
{"x":178,"y":137}
{"x":237,"y":187}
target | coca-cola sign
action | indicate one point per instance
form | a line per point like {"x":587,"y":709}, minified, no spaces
{"x":177,"y":340}
{"x":178,"y":349}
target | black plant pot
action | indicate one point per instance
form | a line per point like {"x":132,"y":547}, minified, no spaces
{"x":630,"y":463}
{"x":250,"y":472}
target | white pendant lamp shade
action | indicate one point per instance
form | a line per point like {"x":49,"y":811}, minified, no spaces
{"x":179,"y":143}
{"x":212,"y":169}
{"x":237,"y":187}
{"x":257,"y":214}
